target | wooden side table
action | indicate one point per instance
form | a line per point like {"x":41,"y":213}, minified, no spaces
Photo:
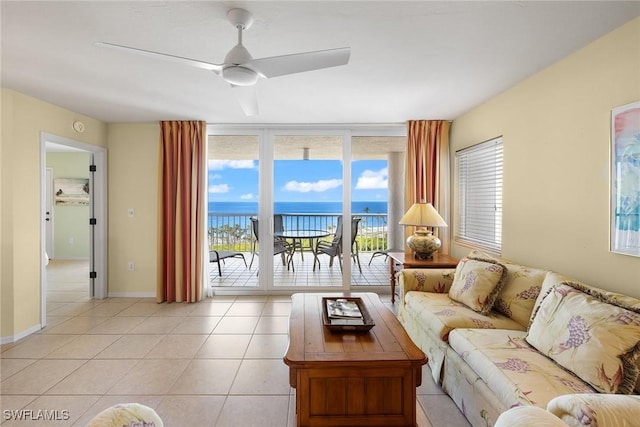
{"x":400,"y":260}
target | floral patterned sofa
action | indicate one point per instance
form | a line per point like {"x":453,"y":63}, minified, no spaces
{"x":127,"y":415}
{"x":501,"y":335}
{"x":586,"y":409}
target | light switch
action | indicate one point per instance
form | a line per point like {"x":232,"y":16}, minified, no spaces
{"x":131,"y":213}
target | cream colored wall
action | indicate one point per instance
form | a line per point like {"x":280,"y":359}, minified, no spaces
{"x":556,"y":160}
{"x":6,"y":232}
{"x":70,"y":223}
{"x":133,"y":183}
{"x":23,"y":119}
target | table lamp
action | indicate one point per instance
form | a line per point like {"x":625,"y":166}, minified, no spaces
{"x":423,"y":242}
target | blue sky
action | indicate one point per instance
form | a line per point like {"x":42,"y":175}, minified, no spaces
{"x":298,"y":180}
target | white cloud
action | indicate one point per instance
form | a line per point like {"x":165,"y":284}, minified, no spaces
{"x":247,"y":196}
{"x":221,"y":188}
{"x":318,"y":186}
{"x":216,"y":176}
{"x":373,"y":180}
{"x":230,"y":164}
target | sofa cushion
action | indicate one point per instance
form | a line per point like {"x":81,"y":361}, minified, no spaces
{"x":519,"y":293}
{"x":477,"y":283}
{"x":522,"y":286}
{"x":596,"y":337}
{"x":551,"y":279}
{"x":513,"y":369}
{"x":441,"y":314}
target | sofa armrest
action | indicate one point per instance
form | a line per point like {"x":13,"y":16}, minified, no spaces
{"x":436,"y":280}
{"x":603,"y":410}
{"x":528,"y":416}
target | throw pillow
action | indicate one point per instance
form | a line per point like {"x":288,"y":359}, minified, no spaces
{"x":595,"y":337}
{"x":520,"y":290}
{"x":481,"y":256}
{"x":476,"y":284}
{"x":127,"y":415}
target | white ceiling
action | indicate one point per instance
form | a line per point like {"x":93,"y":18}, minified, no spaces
{"x":409,"y":60}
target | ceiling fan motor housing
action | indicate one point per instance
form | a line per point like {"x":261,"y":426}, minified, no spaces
{"x":240,"y":18}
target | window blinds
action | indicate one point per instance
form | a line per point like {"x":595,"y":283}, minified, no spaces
{"x":479,"y":178}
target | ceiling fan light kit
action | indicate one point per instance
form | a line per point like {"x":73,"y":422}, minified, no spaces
{"x":240,"y":76}
{"x":239,"y":67}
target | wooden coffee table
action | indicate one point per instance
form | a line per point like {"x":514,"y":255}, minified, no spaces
{"x":352,"y":378}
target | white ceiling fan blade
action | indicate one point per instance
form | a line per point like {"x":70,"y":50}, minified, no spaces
{"x":300,"y":62}
{"x":178,"y":59}
{"x":247,"y":98}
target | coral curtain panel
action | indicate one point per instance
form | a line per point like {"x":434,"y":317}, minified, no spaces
{"x":427,"y":171}
{"x":182,"y":206}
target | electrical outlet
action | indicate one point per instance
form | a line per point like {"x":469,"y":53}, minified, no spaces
{"x":131,"y":212}
{"x":71,"y":240}
{"x":131,"y":266}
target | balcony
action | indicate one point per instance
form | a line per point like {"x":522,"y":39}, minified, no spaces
{"x":232,"y":232}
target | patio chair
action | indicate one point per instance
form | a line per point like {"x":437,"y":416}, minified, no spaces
{"x":278,"y":223}
{"x":330,"y":248}
{"x":278,"y":226}
{"x":379,"y":253}
{"x":218,"y":256}
{"x":280,"y":247}
{"x":355,"y":253}
{"x":334,"y":247}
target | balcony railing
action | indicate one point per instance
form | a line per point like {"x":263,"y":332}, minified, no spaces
{"x":232,"y":231}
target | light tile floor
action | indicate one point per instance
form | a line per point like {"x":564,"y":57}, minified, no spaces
{"x":214,"y":363}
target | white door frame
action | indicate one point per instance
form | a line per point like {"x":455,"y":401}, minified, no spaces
{"x":98,"y":245}
{"x":48,"y":207}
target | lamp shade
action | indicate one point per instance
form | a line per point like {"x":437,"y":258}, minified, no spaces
{"x":423,"y":215}
{"x":423,"y":243}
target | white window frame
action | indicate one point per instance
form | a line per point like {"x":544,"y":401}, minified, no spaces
{"x":479,"y":174}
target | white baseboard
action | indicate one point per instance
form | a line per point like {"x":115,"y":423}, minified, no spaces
{"x":14,"y":338}
{"x":131,"y":295}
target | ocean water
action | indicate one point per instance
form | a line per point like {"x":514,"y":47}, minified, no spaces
{"x":373,"y":207}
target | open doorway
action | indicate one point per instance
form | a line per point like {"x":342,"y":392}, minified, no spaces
{"x":73,"y":222}
{"x":67,"y":236}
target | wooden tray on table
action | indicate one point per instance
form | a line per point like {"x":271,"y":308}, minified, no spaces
{"x":346,"y":314}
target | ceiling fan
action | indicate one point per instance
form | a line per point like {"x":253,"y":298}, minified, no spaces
{"x":242,"y":72}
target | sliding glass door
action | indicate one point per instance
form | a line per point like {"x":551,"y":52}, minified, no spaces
{"x":232,"y":184}
{"x":306,"y":207}
{"x":377,"y":193}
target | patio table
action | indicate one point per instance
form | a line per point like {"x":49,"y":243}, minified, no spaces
{"x":298,"y":235}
